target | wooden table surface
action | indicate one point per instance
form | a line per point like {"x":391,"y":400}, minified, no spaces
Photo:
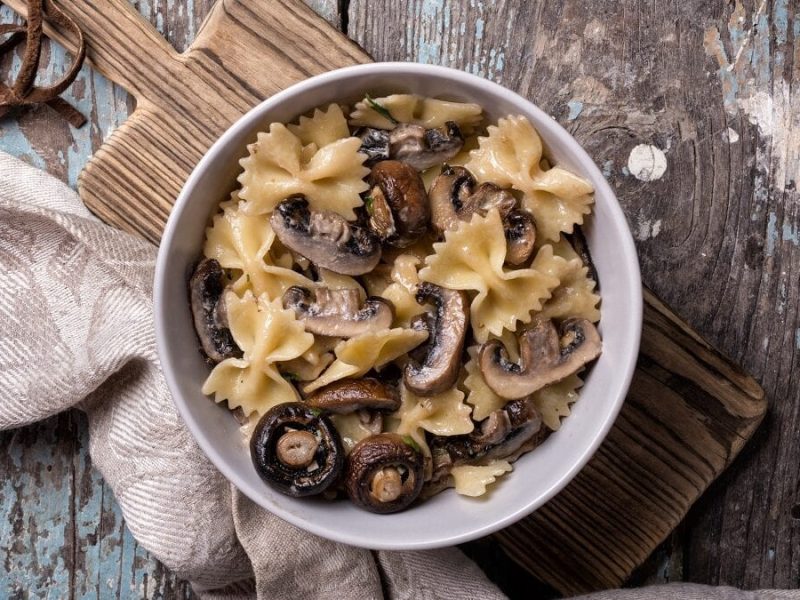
{"x":691,"y":108}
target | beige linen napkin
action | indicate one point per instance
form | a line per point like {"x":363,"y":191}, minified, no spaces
{"x":75,"y":303}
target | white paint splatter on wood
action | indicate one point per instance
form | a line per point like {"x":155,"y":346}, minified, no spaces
{"x":647,"y":162}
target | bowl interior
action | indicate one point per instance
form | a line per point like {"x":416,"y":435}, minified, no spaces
{"x":447,"y":518}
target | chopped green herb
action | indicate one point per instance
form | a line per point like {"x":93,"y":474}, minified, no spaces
{"x":381,"y":110}
{"x":316,"y":412}
{"x":369,"y":202}
{"x":410,"y":441}
{"x":288,"y":376}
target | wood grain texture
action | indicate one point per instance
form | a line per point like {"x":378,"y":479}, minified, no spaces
{"x":717,"y":233}
{"x":714,"y":86}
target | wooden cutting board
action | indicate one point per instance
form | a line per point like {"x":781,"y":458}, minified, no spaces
{"x":689,"y":411}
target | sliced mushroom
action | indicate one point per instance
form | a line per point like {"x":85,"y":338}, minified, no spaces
{"x":581,"y":246}
{"x":206,"y":288}
{"x":374,"y":143}
{"x":326,"y":238}
{"x":455,"y":196}
{"x":296,"y":451}
{"x":520,"y":233}
{"x":351,"y":395}
{"x":423,"y":148}
{"x":399,"y":211}
{"x":505,"y":434}
{"x":338,"y":312}
{"x":384,"y":473}
{"x":439,"y":368}
{"x":546,"y":356}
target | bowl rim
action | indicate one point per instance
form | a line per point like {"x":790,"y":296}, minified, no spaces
{"x":248,"y":121}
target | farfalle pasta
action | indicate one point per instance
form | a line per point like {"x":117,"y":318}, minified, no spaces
{"x":511,"y":155}
{"x":390,"y":302}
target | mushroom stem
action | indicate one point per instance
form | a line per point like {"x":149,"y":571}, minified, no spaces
{"x":297,"y":448}
{"x":387,"y":485}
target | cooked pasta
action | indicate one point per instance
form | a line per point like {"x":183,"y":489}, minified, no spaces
{"x":279,"y":166}
{"x":357,"y":316}
{"x":511,"y":155}
{"x":472,"y":258}
{"x":410,"y":108}
{"x":267,"y":334}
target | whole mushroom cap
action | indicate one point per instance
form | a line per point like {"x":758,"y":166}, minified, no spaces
{"x":384,"y":473}
{"x":296,"y":451}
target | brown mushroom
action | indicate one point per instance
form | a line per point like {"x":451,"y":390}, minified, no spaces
{"x":505,"y":434}
{"x":546,"y":356}
{"x":437,"y":370}
{"x":520,"y":236}
{"x":297,"y":451}
{"x":206,"y":288}
{"x":424,"y":148}
{"x":384,"y":473}
{"x":326,"y":238}
{"x":397,"y":203}
{"x":578,"y":242}
{"x":338,"y":312}
{"x":455,"y":196}
{"x":351,"y":395}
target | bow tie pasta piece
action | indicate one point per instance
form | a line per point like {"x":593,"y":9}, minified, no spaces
{"x":472,"y":480}
{"x":511,"y":155}
{"x":243,"y":242}
{"x":553,"y":401}
{"x":410,"y":108}
{"x":472,"y":257}
{"x":267,"y":334}
{"x":323,"y":128}
{"x":279,"y":166}
{"x":442,"y":414}
{"x":356,"y":356}
{"x":575,"y":296}
{"x":399,"y":286}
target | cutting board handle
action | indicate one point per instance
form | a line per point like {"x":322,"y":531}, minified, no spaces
{"x":124,"y":46}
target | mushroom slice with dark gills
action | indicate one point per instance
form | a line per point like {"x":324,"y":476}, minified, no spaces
{"x":338,"y":312}
{"x":437,"y":369}
{"x":206,"y":288}
{"x":424,"y":148}
{"x":325,"y":238}
{"x":455,"y":196}
{"x":505,"y":434}
{"x":297,"y":451}
{"x":413,"y":144}
{"x":547,"y":355}
{"x":384,"y":474}
{"x":398,"y":205}
{"x":350,"y":395}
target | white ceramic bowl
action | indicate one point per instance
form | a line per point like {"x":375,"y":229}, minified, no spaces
{"x":447,"y":518}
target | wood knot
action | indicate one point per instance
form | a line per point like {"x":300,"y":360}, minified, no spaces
{"x":24,"y":91}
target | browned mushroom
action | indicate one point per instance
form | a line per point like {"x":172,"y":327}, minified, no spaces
{"x":325,"y":238}
{"x":455,"y":196}
{"x":206,"y":288}
{"x":296,"y":450}
{"x":384,"y":473}
{"x":338,"y":312}
{"x":397,"y":203}
{"x":546,"y":356}
{"x":424,"y":148}
{"x":438,"y":370}
{"x":520,"y":236}
{"x":350,"y":395}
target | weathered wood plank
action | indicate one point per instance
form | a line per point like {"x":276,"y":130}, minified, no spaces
{"x":714,"y":87}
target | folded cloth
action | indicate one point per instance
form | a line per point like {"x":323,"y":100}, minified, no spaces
{"x":76,"y":308}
